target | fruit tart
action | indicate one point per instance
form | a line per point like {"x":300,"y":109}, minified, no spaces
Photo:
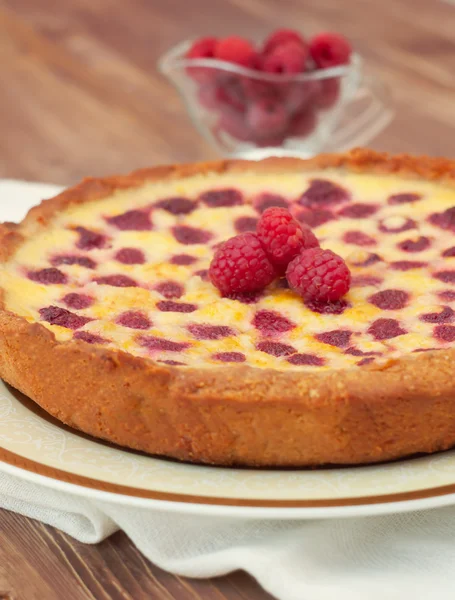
{"x":111,"y":321}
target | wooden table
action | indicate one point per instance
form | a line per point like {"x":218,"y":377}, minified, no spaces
{"x":80,"y":95}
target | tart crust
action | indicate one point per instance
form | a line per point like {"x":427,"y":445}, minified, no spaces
{"x":235,"y":415}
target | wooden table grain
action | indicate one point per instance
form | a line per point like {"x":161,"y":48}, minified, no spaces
{"x":80,"y":95}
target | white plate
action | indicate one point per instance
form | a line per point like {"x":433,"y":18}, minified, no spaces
{"x":38,"y":448}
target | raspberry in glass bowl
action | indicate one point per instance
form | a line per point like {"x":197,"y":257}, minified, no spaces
{"x":287,"y":94}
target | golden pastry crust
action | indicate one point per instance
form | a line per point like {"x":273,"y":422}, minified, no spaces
{"x":237,"y":415}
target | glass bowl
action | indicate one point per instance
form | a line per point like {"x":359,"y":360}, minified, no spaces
{"x":251,"y":114}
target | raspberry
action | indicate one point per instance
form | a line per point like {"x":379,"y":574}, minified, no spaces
{"x":222,"y":97}
{"x":202,"y":48}
{"x":69,"y":259}
{"x":287,"y":59}
{"x":48,"y":276}
{"x":132,"y":220}
{"x":241,"y":265}
{"x":266,"y":118}
{"x":256,"y":88}
{"x":235,"y":49}
{"x":177,"y":205}
{"x":234,"y":125}
{"x":170,"y":289}
{"x":275,"y":141}
{"x":303,"y":123}
{"x":283,"y":237}
{"x":130,"y":256}
{"x":62,"y":317}
{"x":281,"y":37}
{"x":88,"y":240}
{"x":329,"y":92}
{"x":300,"y":95}
{"x":330,"y":49}
{"x":318,"y":274}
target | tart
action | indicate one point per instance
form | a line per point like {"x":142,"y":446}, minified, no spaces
{"x":109,"y":322}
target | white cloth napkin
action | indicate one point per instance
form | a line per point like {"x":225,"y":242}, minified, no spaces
{"x":397,"y":557}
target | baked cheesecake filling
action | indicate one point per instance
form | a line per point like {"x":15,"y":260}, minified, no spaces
{"x":130,"y":271}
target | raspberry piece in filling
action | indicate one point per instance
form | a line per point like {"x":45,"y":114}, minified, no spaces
{"x":130,"y":256}
{"x":203,"y":274}
{"x":90,"y":338}
{"x":315,"y":218}
{"x":338,"y":337}
{"x":403,"y":198}
{"x":396,"y":224}
{"x":177,"y":205}
{"x":236,"y":357}
{"x":365,"y":280}
{"x":116,"y":281}
{"x":170,"y":289}
{"x":444,"y":333}
{"x":210,"y":332}
{"x":385,"y":329}
{"x":90,"y":240}
{"x":371,"y":259}
{"x":245,"y":297}
{"x":48,"y":276}
{"x":276,"y":348}
{"x":155,"y":343}
{"x":447,"y":295}
{"x":358,"y":211}
{"x":445,"y":276}
{"x":62,"y":317}
{"x":78,"y":301}
{"x":407,"y":265}
{"x":132,"y":220}
{"x":172,"y":363}
{"x":219,"y":198}
{"x":243,"y":224}
{"x":415,"y":245}
{"x":365,"y":361}
{"x":445,"y":316}
{"x":449,"y":253}
{"x":191,"y":235}
{"x":271,"y":323}
{"x":444,"y":220}
{"x":358,"y":238}
{"x":183,"y":259}
{"x":134,"y":320}
{"x":82,"y":261}
{"x":265,"y":201}
{"x":323,"y":192}
{"x":306,"y":359}
{"x":327,"y":308}
{"x":425,"y":349}
{"x":181,"y":307}
{"x":352,"y":351}
{"x":390,"y":299}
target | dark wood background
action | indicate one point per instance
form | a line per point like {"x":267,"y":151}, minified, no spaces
{"x":80,"y":95}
